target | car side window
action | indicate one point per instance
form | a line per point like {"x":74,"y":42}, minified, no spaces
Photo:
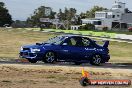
{"x":78,"y":41}
{"x":71,"y":42}
{"x":86,"y":42}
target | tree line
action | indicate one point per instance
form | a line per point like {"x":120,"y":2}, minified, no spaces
{"x":68,"y":14}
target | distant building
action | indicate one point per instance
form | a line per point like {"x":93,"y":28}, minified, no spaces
{"x":117,"y":17}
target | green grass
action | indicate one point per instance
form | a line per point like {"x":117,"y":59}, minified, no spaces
{"x":110,"y":34}
{"x":82,"y":32}
{"x":92,"y":33}
{"x":98,"y":32}
{"x":121,"y":52}
{"x":12,"y":39}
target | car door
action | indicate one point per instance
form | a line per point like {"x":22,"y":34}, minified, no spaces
{"x":69,"y":50}
{"x":87,"y":49}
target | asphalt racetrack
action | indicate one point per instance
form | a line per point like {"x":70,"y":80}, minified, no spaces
{"x":70,"y":64}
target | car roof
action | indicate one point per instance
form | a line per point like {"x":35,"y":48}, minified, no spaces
{"x":71,"y":35}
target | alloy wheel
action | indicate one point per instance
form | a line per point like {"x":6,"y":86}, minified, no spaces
{"x":50,"y":57}
{"x":97,"y":59}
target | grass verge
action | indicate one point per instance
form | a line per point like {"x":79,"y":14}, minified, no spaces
{"x":12,"y":39}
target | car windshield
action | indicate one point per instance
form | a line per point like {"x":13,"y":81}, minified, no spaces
{"x":56,"y":40}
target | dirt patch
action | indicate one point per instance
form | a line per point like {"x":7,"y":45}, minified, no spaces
{"x":39,"y":76}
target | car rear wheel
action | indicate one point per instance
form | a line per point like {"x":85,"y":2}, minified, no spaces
{"x":96,"y":59}
{"x":50,"y":57}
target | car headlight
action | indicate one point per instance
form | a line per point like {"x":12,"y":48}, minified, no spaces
{"x":21,"y":48}
{"x":35,"y":50}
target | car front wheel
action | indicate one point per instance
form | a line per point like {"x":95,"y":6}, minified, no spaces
{"x":96,"y":60}
{"x":49,"y":57}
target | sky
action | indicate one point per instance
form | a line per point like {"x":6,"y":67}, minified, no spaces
{"x":21,"y":9}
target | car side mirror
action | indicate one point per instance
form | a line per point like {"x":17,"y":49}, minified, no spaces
{"x":64,"y":44}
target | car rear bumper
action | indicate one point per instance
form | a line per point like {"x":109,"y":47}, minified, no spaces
{"x":105,"y":58}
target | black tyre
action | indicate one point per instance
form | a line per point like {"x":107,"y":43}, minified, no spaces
{"x":32,"y":61}
{"x":96,"y":60}
{"x":49,"y":57}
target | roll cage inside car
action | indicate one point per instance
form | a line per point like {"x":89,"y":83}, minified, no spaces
{"x":78,"y":41}
{"x":71,"y":41}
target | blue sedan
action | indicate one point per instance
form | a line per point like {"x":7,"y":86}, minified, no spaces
{"x":68,"y":48}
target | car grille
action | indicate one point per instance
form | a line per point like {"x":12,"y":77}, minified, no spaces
{"x":26,"y":49}
{"x":24,"y":54}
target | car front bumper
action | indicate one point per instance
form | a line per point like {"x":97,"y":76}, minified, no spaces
{"x":30,"y":55}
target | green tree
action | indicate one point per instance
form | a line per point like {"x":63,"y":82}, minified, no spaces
{"x":34,"y":20}
{"x":61,"y":15}
{"x":68,"y":14}
{"x":5,"y":17}
{"x":83,"y":15}
{"x":91,"y":12}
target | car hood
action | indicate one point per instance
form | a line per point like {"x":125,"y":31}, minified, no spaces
{"x":36,"y":46}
